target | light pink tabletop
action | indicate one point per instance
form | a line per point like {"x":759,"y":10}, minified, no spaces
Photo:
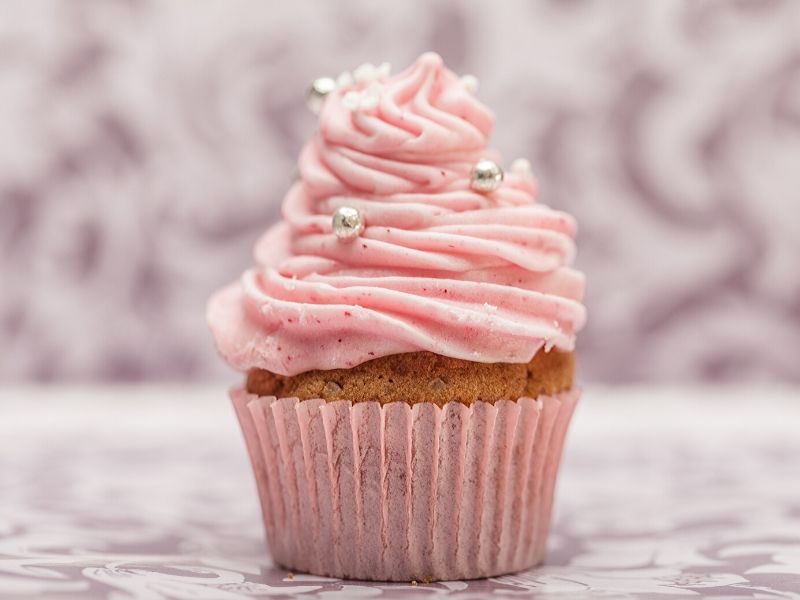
{"x":146,"y":493}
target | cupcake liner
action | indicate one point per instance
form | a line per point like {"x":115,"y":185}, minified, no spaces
{"x":401,"y":492}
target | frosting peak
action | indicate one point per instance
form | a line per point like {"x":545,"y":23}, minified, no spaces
{"x":424,"y":128}
{"x":424,"y":109}
{"x":438,"y":267}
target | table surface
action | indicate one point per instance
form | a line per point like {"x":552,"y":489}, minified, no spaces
{"x":145,"y":493}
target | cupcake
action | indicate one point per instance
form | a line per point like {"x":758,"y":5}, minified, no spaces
{"x":406,"y":341}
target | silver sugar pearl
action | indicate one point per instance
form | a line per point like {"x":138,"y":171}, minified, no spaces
{"x":316,"y":94}
{"x":485,"y":176}
{"x":347,"y":223}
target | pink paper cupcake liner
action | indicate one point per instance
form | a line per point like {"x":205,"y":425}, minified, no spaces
{"x":401,"y":492}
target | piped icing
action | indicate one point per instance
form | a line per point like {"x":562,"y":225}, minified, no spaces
{"x":438,"y":266}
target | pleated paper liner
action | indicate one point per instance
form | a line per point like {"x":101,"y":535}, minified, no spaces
{"x":402,"y":492}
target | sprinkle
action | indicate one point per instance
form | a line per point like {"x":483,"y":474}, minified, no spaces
{"x":364,"y":73}
{"x":384,"y":70}
{"x":345,"y":79}
{"x":521,"y":166}
{"x":352,"y":100}
{"x":470,"y":83}
{"x":319,"y":90}
{"x":366,"y":99}
{"x":369,"y":73}
{"x":369,"y":102}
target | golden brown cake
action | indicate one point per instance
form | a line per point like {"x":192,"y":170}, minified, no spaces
{"x":424,"y":377}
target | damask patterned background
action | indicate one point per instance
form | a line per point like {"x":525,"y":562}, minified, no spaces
{"x":145,"y":145}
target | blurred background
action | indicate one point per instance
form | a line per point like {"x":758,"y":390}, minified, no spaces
{"x":144,"y":146}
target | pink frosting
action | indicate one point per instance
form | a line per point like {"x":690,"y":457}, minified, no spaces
{"x":439,"y":267}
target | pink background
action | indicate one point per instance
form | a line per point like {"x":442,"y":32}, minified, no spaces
{"x":144,"y":146}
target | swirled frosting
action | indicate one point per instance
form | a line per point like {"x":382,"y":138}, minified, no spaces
{"x":477,"y":276}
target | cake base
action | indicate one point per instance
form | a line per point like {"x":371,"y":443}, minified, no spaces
{"x":424,"y":377}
